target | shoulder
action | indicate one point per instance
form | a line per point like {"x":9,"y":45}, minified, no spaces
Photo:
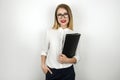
{"x":51,"y":31}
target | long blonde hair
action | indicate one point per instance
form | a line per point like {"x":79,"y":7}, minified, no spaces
{"x":66,"y":7}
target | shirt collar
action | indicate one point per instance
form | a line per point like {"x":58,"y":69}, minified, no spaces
{"x":61,"y":29}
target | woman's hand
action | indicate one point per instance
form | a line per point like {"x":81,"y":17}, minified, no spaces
{"x":62,"y":59}
{"x":46,"y":69}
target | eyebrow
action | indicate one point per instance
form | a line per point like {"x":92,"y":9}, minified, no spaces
{"x":63,"y":13}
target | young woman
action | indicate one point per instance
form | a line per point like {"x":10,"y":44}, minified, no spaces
{"x":54,"y":64}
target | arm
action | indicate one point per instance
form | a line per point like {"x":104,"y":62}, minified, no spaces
{"x":44,"y":54}
{"x":64,"y":59}
{"x":72,"y":60}
{"x":43,"y":65}
{"x":43,"y":60}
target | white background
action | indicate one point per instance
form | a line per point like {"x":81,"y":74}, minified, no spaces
{"x":23,"y":24}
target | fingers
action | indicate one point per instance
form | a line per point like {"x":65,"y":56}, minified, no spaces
{"x":50,"y":71}
{"x":62,"y":58}
{"x":46,"y":69}
{"x":61,"y":55}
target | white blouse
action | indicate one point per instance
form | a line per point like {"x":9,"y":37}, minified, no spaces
{"x":53,"y":47}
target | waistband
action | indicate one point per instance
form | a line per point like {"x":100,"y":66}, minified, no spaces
{"x":61,"y":68}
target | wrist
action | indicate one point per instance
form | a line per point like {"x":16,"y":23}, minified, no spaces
{"x":70,"y":60}
{"x":67,"y":60}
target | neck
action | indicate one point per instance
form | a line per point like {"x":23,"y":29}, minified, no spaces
{"x":63,"y":27}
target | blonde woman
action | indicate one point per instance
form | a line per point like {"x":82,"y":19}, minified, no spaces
{"x":56,"y":65}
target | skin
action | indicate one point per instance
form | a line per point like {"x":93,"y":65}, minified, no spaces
{"x":62,"y":11}
{"x":63,"y":59}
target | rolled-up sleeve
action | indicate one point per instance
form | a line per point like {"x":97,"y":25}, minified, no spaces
{"x":46,"y":44}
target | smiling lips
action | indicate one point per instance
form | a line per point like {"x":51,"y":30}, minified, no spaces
{"x":63,"y":21}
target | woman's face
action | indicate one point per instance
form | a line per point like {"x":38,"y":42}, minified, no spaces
{"x":63,"y":18}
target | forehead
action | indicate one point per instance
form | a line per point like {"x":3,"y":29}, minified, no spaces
{"x":61,"y":10}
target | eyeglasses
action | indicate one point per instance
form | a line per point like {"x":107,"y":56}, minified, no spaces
{"x":60,"y":15}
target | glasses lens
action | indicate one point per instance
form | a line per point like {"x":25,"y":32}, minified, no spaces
{"x":60,"y":15}
{"x":65,"y":15}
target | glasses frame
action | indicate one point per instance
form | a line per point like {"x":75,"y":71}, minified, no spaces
{"x":65,"y":15}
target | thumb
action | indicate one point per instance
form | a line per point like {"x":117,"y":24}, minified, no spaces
{"x":50,"y":71}
{"x":61,"y":55}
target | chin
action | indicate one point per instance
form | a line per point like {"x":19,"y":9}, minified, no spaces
{"x":63,"y":24}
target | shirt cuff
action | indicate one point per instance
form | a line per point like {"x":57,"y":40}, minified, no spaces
{"x":43,"y":53}
{"x":77,"y":59}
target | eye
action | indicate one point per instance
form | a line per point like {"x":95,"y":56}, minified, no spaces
{"x":59,"y":14}
{"x":65,"y":13}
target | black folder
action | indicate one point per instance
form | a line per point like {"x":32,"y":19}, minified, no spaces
{"x":70,"y":44}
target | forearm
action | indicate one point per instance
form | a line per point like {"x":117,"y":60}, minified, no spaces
{"x":64,"y":59}
{"x":71,"y":60}
{"x":43,"y":60}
